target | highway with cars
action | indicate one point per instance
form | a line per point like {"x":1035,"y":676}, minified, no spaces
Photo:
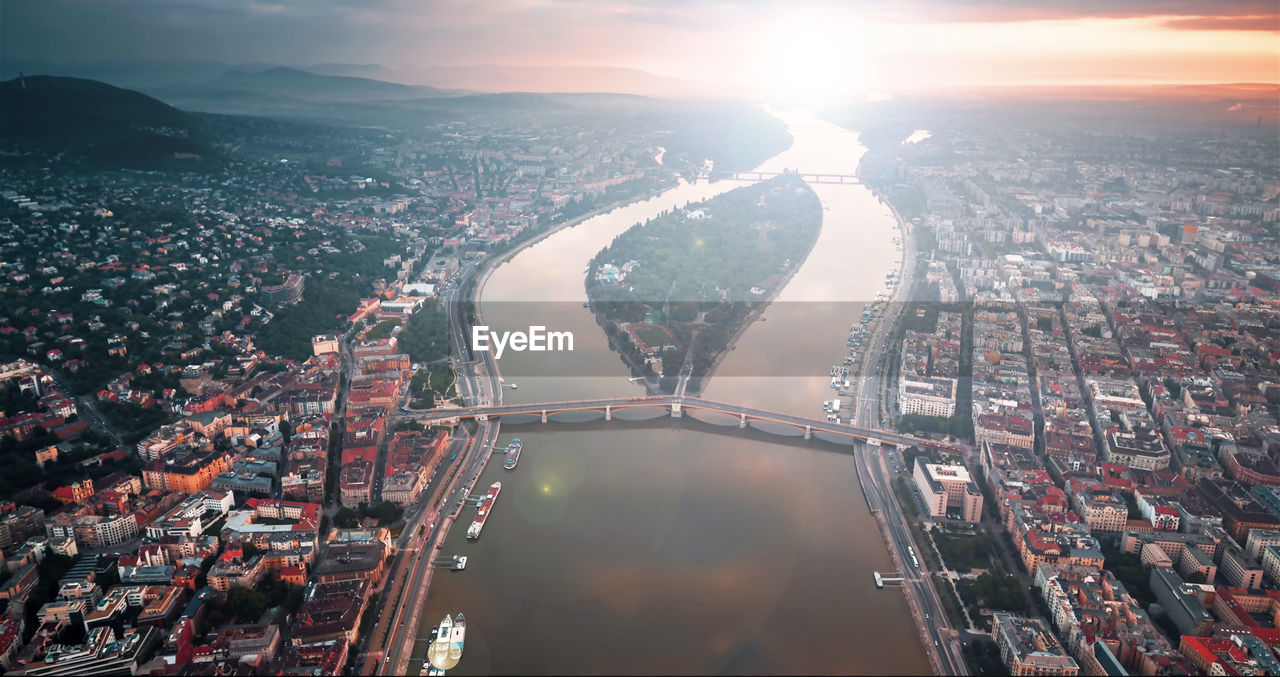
{"x":877,"y":480}
{"x":477,"y":385}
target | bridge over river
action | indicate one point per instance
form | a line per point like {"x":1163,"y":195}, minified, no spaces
{"x":706,"y":411}
{"x":811,"y":177}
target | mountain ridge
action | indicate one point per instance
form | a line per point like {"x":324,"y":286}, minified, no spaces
{"x":99,"y":124}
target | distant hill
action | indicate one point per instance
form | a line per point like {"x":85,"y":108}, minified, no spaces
{"x":287,"y":91}
{"x":137,"y":75}
{"x":360,"y":70}
{"x":153,"y":77}
{"x":299,"y":84}
{"x":541,"y":79}
{"x":103,"y":126}
{"x":566,"y":79}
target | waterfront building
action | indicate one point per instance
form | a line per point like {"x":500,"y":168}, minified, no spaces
{"x":948,"y":486}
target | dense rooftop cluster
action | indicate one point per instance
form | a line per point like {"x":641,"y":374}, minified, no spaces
{"x":205,"y":375}
{"x":1123,"y":298}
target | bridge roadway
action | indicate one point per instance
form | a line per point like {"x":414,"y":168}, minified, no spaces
{"x":811,"y":177}
{"x":677,"y":406}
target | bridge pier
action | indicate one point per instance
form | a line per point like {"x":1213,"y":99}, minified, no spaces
{"x":742,"y":422}
{"x":808,"y":432}
{"x":544,"y":415}
{"x":608,"y":413}
{"x":675,"y":410}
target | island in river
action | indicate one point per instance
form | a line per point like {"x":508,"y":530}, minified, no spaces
{"x":677,"y":289}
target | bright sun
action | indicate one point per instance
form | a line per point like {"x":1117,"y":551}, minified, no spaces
{"x":807,"y":60}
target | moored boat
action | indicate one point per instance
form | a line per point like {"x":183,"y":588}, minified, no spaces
{"x":457,"y":636}
{"x":482,"y":512}
{"x":513,"y":454}
{"x":440,"y":649}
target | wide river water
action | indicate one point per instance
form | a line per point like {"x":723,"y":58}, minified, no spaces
{"x":673,"y":546}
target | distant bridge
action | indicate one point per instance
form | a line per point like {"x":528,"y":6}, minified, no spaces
{"x":706,"y":411}
{"x":811,"y":177}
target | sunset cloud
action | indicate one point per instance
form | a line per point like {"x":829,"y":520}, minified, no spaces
{"x":863,"y":43}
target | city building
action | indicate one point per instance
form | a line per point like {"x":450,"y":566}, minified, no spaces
{"x":1028,"y":647}
{"x":947,"y":487}
{"x":346,"y":561}
{"x":233,"y":569}
{"x":1240,"y":509}
{"x":286,"y":292}
{"x":19,"y":522}
{"x":1239,"y":569}
{"x":185,"y":472}
{"x":1102,"y":510}
{"x":927,"y":396}
{"x":1181,"y":601}
{"x":325,"y":344}
{"x":404,"y":487}
{"x":92,"y":531}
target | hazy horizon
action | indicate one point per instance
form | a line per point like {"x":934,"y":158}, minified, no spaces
{"x":754,"y":48}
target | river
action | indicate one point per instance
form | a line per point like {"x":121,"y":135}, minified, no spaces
{"x":678,"y":548}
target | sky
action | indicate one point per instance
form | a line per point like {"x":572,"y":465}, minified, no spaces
{"x":762,"y":46}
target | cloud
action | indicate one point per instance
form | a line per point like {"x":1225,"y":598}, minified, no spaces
{"x":683,"y":12}
{"x":713,"y":39}
{"x":1020,"y":10}
{"x":1260,"y":22}
{"x":263,"y":8}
